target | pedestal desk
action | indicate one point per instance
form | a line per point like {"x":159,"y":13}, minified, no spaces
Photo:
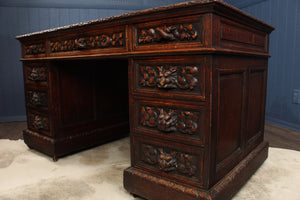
{"x":190,"y":78}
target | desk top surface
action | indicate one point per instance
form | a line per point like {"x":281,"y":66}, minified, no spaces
{"x":132,"y":15}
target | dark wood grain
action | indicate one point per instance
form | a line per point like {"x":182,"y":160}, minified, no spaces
{"x":191,"y":78}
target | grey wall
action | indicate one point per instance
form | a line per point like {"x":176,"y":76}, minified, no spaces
{"x":23,"y":16}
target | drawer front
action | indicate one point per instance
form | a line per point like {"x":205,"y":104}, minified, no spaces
{"x":172,"y":160}
{"x":176,"y":122}
{"x":240,"y":37}
{"x":35,"y":49}
{"x":171,"y":77}
{"x":173,"y":33}
{"x":36,"y":74}
{"x":38,"y":122}
{"x":107,"y":40}
{"x":37,"y":98}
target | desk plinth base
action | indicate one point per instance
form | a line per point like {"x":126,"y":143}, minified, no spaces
{"x":59,"y":147}
{"x":146,"y":185}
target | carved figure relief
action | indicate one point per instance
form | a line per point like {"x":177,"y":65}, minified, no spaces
{"x":35,"y":49}
{"x":37,"y":74}
{"x":37,"y":98}
{"x":39,"y":122}
{"x":169,"y":120}
{"x":180,"y":32}
{"x":92,"y":42}
{"x":169,"y":77}
{"x":169,"y":160}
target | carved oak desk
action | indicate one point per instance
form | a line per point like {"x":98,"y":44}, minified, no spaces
{"x":196,"y":73}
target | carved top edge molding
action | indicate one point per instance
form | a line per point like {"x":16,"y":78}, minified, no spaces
{"x":35,"y":49}
{"x":159,"y":34}
{"x":91,"y":42}
{"x":148,"y":12}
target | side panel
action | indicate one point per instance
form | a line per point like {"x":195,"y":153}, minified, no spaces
{"x":239,"y":102}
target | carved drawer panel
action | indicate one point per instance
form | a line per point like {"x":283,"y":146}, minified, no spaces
{"x":38,"y":122}
{"x":177,"y":123}
{"x":37,"y":98}
{"x":181,"y":78}
{"x":173,"y":160}
{"x":105,"y":39}
{"x":36,"y":49}
{"x":183,"y":32}
{"x":36,"y":74}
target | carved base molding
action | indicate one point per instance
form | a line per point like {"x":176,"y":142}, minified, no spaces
{"x":60,"y":147}
{"x":223,"y":190}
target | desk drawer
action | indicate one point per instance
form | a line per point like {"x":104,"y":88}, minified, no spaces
{"x":37,"y":98}
{"x":169,"y":159}
{"x":38,"y":122}
{"x":171,"y":77}
{"x":172,"y":33}
{"x":177,"y":122}
{"x":34,"y":49}
{"x":36,"y":74}
{"x":105,"y":40}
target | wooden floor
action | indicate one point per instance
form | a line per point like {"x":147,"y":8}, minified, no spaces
{"x":277,"y":136}
{"x":282,"y":137}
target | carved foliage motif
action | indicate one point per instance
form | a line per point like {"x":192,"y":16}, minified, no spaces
{"x":92,"y":42}
{"x":171,"y":160}
{"x":37,"y":98}
{"x":37,"y":74}
{"x":192,"y":191}
{"x":169,"y":120}
{"x":35,"y":49}
{"x":180,"y":32}
{"x":38,"y":122}
{"x":169,"y":77}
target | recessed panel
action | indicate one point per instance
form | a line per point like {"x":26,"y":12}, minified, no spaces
{"x":255,"y":104}
{"x":231,"y":102}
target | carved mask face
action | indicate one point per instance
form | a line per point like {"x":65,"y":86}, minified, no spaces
{"x":34,"y":75}
{"x":35,"y":98}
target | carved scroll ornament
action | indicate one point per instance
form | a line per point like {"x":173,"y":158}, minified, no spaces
{"x":169,"y":120}
{"x":169,"y":77}
{"x":92,"y":42}
{"x":168,"y":161}
{"x":181,"y":32}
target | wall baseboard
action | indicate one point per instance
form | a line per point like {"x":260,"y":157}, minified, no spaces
{"x":19,"y":118}
{"x":285,"y":124}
